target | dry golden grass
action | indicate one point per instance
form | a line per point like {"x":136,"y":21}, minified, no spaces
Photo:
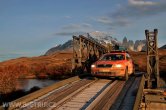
{"x":41,"y":66}
{"x":60,"y":63}
{"x":140,"y":60}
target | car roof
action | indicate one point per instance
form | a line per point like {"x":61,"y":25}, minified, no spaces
{"x":116,"y":52}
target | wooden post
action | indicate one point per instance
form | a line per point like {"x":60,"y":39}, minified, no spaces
{"x":152,"y":59}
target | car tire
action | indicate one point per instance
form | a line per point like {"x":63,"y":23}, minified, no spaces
{"x":133,"y":73}
{"x":126,"y":77}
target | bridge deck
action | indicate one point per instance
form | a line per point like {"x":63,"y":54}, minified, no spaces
{"x":89,"y":94}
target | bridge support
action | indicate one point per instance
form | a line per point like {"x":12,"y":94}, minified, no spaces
{"x":85,"y":52}
{"x":152,"y":59}
{"x":150,"y":96}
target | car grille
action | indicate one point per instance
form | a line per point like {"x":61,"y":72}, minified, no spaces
{"x":106,"y":73}
{"x":104,"y":65}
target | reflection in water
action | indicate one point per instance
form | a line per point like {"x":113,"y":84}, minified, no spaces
{"x":27,"y":84}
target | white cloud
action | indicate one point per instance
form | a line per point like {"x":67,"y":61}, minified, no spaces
{"x":141,"y":2}
{"x":113,"y":22}
{"x":127,"y":14}
{"x":75,"y":29}
{"x":105,"y":20}
{"x":77,"y":26}
{"x":68,"y":33}
{"x":140,"y":8}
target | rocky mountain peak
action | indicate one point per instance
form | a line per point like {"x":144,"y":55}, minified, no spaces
{"x":66,"y":46}
{"x":138,"y":45}
{"x":103,"y":37}
{"x":100,"y":37}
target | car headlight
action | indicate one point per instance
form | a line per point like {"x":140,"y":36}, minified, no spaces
{"x":92,"y":66}
{"x":118,"y":65}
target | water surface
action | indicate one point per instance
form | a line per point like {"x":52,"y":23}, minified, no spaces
{"x":27,"y":84}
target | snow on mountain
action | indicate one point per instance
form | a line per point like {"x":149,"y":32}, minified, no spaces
{"x":100,"y":37}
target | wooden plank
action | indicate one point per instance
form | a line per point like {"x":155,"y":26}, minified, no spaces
{"x":155,"y":98}
{"x":23,"y":100}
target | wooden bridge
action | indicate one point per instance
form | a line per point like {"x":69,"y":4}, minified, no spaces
{"x":141,"y":91}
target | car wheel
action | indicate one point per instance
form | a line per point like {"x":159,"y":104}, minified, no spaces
{"x":126,"y":77}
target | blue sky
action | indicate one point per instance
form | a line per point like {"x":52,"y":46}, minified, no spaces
{"x":31,"y":27}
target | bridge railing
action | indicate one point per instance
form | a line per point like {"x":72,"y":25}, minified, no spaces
{"x":85,"y":52}
{"x":139,"y":94}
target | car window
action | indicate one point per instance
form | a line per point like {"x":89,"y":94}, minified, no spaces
{"x":128,"y":57}
{"x":113,"y":57}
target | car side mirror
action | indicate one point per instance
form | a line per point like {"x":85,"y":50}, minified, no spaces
{"x":129,"y":59}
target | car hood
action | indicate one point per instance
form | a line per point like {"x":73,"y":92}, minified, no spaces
{"x":109,"y":62}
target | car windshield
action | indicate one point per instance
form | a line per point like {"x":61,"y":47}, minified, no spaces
{"x":113,"y":57}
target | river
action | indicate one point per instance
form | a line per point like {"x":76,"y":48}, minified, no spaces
{"x":27,"y":84}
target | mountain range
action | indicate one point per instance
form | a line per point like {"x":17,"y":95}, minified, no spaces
{"x":163,"y":47}
{"x":103,"y":38}
{"x":138,"y":45}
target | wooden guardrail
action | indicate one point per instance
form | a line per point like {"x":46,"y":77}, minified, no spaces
{"x":30,"y":97}
{"x":139,"y":94}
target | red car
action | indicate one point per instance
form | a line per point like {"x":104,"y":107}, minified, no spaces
{"x":114,"y":64}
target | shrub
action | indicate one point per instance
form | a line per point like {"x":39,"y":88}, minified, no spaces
{"x":7,"y":80}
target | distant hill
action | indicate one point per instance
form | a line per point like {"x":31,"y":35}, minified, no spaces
{"x":40,"y":66}
{"x":163,"y":47}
